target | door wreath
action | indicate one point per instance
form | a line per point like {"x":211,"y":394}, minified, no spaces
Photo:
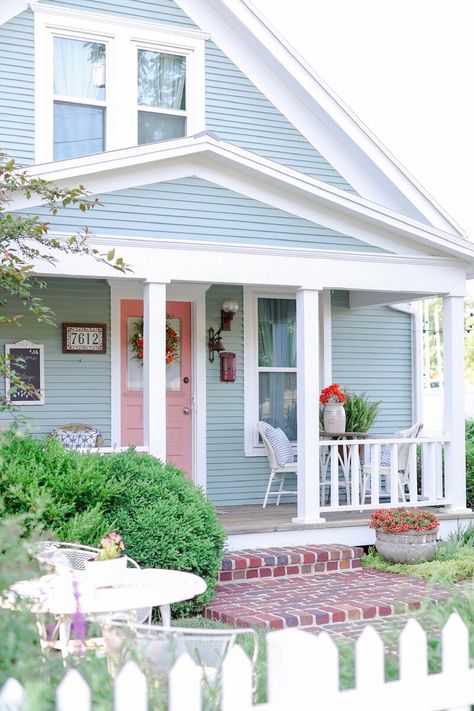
{"x":172,"y":341}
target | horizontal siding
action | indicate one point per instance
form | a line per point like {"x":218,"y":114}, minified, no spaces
{"x":372,"y":353}
{"x":77,"y":386}
{"x":191,"y":208}
{"x":17,"y":88}
{"x":162,"y":11}
{"x":241,"y":114}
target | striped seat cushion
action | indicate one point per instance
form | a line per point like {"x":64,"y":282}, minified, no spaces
{"x":386,"y":453}
{"x":281,"y":446}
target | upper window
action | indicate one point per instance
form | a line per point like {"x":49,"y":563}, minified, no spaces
{"x":113,"y":84}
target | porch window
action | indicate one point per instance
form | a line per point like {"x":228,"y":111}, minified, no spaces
{"x":161,"y":96}
{"x":277,"y":363}
{"x":79,"y":98}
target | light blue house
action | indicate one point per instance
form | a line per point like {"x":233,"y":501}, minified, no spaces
{"x":230,"y":178}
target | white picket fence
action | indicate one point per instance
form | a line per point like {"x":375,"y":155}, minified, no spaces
{"x":302,"y":674}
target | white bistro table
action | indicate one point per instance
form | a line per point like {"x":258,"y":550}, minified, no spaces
{"x":66,"y":593}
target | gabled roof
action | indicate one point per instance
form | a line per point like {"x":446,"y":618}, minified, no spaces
{"x":206,"y":157}
{"x":308,"y":103}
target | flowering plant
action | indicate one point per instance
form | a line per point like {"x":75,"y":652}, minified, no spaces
{"x":332,"y":393}
{"x":111,"y":546}
{"x":403,"y":519}
{"x":172,"y":342}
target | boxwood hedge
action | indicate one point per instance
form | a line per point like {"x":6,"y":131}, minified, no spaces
{"x":164,"y":519}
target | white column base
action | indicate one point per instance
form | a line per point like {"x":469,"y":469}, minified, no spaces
{"x":308,"y":521}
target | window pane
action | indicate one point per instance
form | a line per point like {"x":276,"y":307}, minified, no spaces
{"x":159,"y":127}
{"x":161,"y":80}
{"x":277,"y":401}
{"x":173,"y":369}
{"x":78,"y":130}
{"x":79,"y":69}
{"x":277,"y":333}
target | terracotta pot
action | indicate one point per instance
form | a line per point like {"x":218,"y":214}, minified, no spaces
{"x":334,"y":417}
{"x":105,"y":573}
{"x":407,"y":547}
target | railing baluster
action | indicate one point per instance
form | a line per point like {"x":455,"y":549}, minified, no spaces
{"x":412,"y":474}
{"x":375,"y":474}
{"x":354,"y":469}
{"x":439,"y":470}
{"x":334,"y":475}
{"x":394,"y":481}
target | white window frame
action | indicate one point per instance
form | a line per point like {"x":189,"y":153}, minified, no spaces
{"x":252,"y":446}
{"x":123,"y":38}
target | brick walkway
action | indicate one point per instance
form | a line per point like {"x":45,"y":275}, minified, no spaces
{"x":313,"y":599}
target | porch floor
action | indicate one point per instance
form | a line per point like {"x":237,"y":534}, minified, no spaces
{"x":254,"y":519}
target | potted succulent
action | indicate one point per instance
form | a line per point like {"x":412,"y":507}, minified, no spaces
{"x":106,"y":568}
{"x":405,"y":535}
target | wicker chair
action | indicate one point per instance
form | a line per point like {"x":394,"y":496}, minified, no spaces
{"x":76,"y":435}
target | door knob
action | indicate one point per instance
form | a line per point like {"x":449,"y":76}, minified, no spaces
{"x":186,"y":410}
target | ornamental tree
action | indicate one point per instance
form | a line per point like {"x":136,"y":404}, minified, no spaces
{"x":25,"y":243}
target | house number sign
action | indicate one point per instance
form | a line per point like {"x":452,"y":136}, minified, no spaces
{"x":84,"y":338}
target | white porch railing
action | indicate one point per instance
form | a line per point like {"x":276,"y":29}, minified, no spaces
{"x":352,"y":476}
{"x":302,"y":673}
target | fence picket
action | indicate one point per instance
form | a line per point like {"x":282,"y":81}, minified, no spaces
{"x":130,"y":689}
{"x":185,"y":685}
{"x":73,"y":693}
{"x":369,"y":660}
{"x":291,"y":654}
{"x":413,"y":652}
{"x":12,"y":696}
{"x":326,"y":668}
{"x":237,"y":681}
{"x":455,"y":651}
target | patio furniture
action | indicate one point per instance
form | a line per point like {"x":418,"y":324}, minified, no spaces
{"x":344,"y":458}
{"x":156,"y":649}
{"x":403,"y":463}
{"x":70,"y":591}
{"x":77,"y":435}
{"x":278,"y":467}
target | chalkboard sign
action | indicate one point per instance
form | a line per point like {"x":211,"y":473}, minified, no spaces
{"x":27,"y":362}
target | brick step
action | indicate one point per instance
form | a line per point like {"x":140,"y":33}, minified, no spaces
{"x":287,"y":562}
{"x":313,"y":601}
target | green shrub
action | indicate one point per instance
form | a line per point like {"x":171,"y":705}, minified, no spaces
{"x":470,"y":463}
{"x":164,"y":519}
{"x":361,"y":412}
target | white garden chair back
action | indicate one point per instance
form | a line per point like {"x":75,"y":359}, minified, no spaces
{"x":277,"y":472}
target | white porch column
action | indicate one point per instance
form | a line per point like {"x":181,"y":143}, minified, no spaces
{"x":455,"y":464}
{"x":154,"y":369}
{"x":307,"y":342}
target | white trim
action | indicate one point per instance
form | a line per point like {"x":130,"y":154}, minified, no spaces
{"x":313,"y":108}
{"x":259,"y":178}
{"x":26,"y":344}
{"x":10,"y":9}
{"x":325,"y":333}
{"x":122,"y":38}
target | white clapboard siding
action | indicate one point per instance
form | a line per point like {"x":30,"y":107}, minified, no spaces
{"x":302,"y":674}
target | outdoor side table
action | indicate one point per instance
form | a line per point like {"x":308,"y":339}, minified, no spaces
{"x":68,"y":592}
{"x":343,"y":455}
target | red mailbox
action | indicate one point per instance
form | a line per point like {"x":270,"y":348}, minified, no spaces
{"x":228,"y":367}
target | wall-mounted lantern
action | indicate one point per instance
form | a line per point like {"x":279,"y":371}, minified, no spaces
{"x":229,"y":309}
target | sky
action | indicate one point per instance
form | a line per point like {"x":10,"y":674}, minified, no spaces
{"x":406,"y":68}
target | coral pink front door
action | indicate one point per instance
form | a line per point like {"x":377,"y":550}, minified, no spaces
{"x":178,"y":383}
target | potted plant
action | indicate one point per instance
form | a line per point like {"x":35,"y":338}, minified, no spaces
{"x":106,"y":568}
{"x":332,"y":399}
{"x":405,"y":535}
{"x":361,"y":412}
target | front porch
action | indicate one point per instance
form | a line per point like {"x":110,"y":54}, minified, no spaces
{"x":253,"y":527}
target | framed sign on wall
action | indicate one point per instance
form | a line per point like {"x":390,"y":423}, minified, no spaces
{"x":27,"y":363}
{"x":84,"y":338}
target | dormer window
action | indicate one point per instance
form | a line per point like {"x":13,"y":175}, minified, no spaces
{"x":79,"y":98}
{"x":108,"y":83}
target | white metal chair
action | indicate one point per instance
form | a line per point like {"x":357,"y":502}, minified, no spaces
{"x":403,"y":463}
{"x":277,"y":472}
{"x":59,"y":556}
{"x":156,"y":648}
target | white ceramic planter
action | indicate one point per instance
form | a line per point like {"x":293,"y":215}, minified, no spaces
{"x":334,"y":417}
{"x":105,"y":573}
{"x":408,"y":547}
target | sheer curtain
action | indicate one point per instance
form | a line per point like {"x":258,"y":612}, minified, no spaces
{"x":161,"y":80}
{"x":75,"y":68}
{"x":277,"y":349}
